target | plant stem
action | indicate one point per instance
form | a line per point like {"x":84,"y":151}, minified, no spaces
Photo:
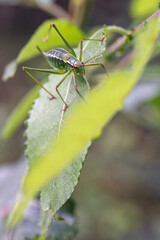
{"x":120,"y":30}
{"x":78,"y":10}
{"x":141,"y":25}
{"x":121,"y":41}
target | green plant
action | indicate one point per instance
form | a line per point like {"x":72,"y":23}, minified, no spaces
{"x":57,"y":142}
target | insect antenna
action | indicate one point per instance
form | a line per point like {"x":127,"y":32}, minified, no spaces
{"x":93,"y":58}
{"x":101,"y":54}
{"x":43,"y":54}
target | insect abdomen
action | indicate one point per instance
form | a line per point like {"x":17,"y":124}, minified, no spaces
{"x":58,"y":63}
{"x":56,"y":58}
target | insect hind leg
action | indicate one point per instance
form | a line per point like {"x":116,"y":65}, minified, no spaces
{"x":66,"y":106}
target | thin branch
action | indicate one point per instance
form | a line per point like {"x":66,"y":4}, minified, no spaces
{"x":121,"y":41}
{"x":79,"y":10}
{"x":125,"y":61}
{"x":140,"y":26}
{"x":116,"y":29}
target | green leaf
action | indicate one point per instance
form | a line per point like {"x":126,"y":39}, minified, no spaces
{"x":143,"y":8}
{"x":86,"y":120}
{"x":55,"y":194}
{"x":45,"y":121}
{"x":69,"y":31}
{"x":20,"y":113}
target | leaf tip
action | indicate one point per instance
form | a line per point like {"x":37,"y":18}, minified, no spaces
{"x":9,"y":70}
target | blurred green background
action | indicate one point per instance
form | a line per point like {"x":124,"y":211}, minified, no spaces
{"x":118,"y":196}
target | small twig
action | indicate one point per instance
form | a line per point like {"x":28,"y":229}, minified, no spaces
{"x":121,"y":41}
{"x":117,"y":29}
{"x":116,"y":45}
{"x":124,"y":62}
{"x":78,"y":10}
{"x":141,"y":25}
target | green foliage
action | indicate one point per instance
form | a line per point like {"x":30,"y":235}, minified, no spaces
{"x":29,"y":50}
{"x":84,"y":122}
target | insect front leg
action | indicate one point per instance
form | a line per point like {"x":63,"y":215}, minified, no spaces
{"x":88,"y":39}
{"x":64,"y":40}
{"x":66,"y":106}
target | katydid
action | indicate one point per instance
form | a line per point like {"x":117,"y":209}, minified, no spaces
{"x":64,"y":61}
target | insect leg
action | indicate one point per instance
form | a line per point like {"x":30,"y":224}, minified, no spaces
{"x":64,"y":40}
{"x":75,"y":86}
{"x":88,"y":39}
{"x":51,"y":71}
{"x":96,"y":64}
{"x":66,"y":106}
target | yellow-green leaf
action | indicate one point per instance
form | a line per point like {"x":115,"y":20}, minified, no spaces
{"x":19,"y":114}
{"x":143,"y":8}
